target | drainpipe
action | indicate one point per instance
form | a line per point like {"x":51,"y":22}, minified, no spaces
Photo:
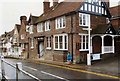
{"x":71,"y":32}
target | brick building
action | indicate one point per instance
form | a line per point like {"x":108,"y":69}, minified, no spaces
{"x":64,"y":27}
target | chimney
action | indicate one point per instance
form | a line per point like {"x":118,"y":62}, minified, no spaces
{"x":23,"y":19}
{"x":55,"y":2}
{"x":46,"y":5}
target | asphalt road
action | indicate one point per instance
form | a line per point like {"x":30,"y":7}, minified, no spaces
{"x":45,"y":72}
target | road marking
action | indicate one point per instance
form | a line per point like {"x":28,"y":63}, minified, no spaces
{"x":84,"y":71}
{"x":31,"y":68}
{"x":54,"y":75}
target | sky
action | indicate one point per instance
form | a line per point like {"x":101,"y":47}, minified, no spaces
{"x":11,"y":10}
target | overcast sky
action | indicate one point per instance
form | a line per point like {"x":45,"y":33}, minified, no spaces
{"x":11,"y":10}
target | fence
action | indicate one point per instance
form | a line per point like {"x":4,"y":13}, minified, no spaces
{"x":14,"y":72}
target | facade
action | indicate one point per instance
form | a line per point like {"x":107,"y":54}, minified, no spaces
{"x":115,"y":20}
{"x":15,"y":41}
{"x":64,"y":28}
{"x":81,"y":28}
{"x":23,"y":34}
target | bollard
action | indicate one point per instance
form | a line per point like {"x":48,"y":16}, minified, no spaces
{"x":18,"y":67}
{"x":2,"y":68}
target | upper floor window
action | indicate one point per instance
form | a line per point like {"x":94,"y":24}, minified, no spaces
{"x":23,"y":36}
{"x":84,"y":19}
{"x":60,"y":22}
{"x":31,"y":29}
{"x":40,"y":27}
{"x":47,"y":25}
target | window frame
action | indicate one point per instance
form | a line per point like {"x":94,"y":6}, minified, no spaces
{"x":64,"y":42}
{"x":48,"y":42}
{"x":31,"y":43}
{"x":82,"y":18}
{"x":47,"y":25}
{"x":60,"y":22}
{"x":40,"y":27}
{"x":84,"y":46}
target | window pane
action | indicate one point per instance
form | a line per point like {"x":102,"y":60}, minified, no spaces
{"x":65,"y":42}
{"x":56,"y":42}
{"x":60,"y":42}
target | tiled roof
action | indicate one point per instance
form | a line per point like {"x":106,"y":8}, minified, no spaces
{"x":18,"y":27}
{"x":115,"y":11}
{"x":32,"y":19}
{"x":102,"y":28}
{"x":59,"y":10}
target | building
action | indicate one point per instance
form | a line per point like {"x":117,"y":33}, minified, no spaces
{"x":115,"y":20}
{"x":23,"y":34}
{"x":16,"y":50}
{"x":66,"y":27}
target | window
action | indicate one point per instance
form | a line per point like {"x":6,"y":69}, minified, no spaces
{"x":84,"y":19}
{"x":22,"y":36}
{"x":40,"y":27}
{"x":23,"y":46}
{"x":48,"y":43}
{"x":31,"y":29}
{"x":83,"y":42}
{"x":32,"y":42}
{"x":61,"y":42}
{"x":47,"y":25}
{"x":60,"y":22}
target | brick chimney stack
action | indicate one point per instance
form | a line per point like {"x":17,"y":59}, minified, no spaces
{"x":46,"y":5}
{"x":23,"y":19}
{"x":55,"y":2}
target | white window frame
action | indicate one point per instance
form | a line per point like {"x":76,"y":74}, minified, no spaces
{"x":84,"y":43}
{"x":23,"y":36}
{"x":47,"y":25}
{"x":40,"y":27}
{"x":63,"y":42}
{"x":87,"y":18}
{"x":32,"y":42}
{"x":62,"y":21}
{"x":23,"y":46}
{"x":48,"y":41}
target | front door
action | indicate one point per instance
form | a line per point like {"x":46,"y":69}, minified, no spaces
{"x":40,"y":48}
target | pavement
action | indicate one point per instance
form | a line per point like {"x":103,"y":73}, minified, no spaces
{"x":109,"y":66}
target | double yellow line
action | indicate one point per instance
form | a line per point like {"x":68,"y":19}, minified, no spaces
{"x":83,"y":71}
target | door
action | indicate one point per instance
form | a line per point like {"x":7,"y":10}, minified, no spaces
{"x":97,"y":44}
{"x":41,"y":46}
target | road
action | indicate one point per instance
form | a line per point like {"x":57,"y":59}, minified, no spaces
{"x":53,"y":72}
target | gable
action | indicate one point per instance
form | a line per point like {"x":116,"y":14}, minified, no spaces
{"x":95,"y":7}
{"x":110,"y":30}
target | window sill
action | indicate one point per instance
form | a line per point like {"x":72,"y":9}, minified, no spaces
{"x":48,"y":48}
{"x":60,"y":49}
{"x":84,"y":50}
{"x":32,"y":47}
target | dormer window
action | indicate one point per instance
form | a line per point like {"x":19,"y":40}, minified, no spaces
{"x":84,"y":19}
{"x":40,"y":27}
{"x":60,"y":22}
{"x":47,"y":26}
